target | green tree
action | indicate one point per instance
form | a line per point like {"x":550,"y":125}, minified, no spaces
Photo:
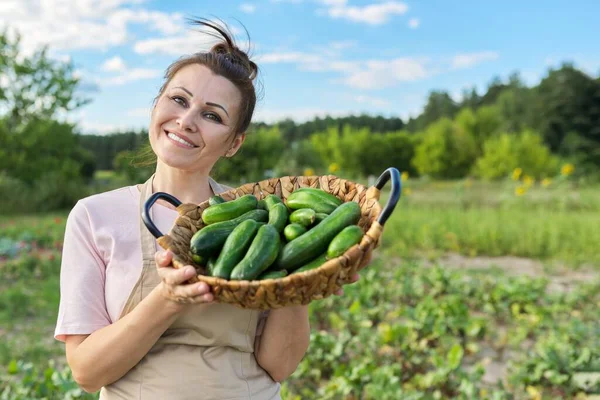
{"x":447,"y":151}
{"x":503,"y":153}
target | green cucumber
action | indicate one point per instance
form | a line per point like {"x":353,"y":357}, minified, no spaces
{"x":271,"y":200}
{"x":214,"y":200}
{"x":197,"y":259}
{"x":292,"y":231}
{"x":314,"y":242}
{"x":320,"y":217}
{"x":235,"y":247}
{"x":278,"y":216}
{"x":317,"y":262}
{"x":230,"y":209}
{"x":210,"y":265}
{"x":272,"y":274}
{"x":209,"y":240}
{"x":262,"y":205}
{"x":348,"y":237}
{"x":304,"y":216}
{"x":261,"y":254}
{"x":317,"y":199}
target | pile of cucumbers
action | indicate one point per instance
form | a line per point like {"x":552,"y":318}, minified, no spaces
{"x":251,"y":239}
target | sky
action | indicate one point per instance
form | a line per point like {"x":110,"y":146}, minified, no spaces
{"x":316,"y":57}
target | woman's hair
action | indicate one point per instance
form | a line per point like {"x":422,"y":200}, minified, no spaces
{"x":227,"y":60}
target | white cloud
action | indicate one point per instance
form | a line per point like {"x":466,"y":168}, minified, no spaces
{"x":86,"y":24}
{"x":131,"y":75}
{"x":373,"y":74}
{"x":373,"y":14}
{"x":199,"y":39}
{"x":139,"y":112}
{"x":414,"y":23}
{"x":378,"y":74}
{"x":113,"y":64}
{"x":248,"y":8}
{"x":468,"y":60}
{"x":376,"y":101}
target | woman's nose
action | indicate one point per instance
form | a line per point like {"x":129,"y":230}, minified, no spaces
{"x":187,"y":122}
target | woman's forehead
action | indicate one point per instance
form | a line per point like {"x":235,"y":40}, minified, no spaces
{"x":202,"y":82}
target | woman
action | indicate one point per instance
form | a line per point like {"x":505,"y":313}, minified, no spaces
{"x":132,"y":326}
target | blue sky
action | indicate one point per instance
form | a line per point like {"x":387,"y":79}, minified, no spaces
{"x":317,"y":57}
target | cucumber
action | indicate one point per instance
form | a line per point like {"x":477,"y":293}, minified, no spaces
{"x":272,"y":274}
{"x":348,"y":237}
{"x":235,"y":247}
{"x":292,"y":231}
{"x":314,"y":242}
{"x":262,"y":205}
{"x":210,"y":265}
{"x":278,"y":216}
{"x":317,"y":262}
{"x":230,"y":209}
{"x":197,"y":259}
{"x":209,"y":240}
{"x":304,"y":216}
{"x":261,"y":254}
{"x":317,"y":199}
{"x":320,"y":217}
{"x":214,"y":200}
{"x":271,"y":200}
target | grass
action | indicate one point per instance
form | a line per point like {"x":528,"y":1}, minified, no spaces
{"x":429,"y":332}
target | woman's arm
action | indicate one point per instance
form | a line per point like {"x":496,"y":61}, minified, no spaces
{"x":107,"y":354}
{"x":284,"y":341}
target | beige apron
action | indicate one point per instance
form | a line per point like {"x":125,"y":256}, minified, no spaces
{"x":207,"y":353}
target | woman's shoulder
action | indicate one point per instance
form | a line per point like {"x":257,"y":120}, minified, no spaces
{"x":111,"y":202}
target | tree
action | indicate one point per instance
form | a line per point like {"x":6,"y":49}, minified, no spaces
{"x":34,"y":86}
{"x":446,"y":151}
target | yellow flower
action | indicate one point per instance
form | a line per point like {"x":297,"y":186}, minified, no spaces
{"x":309,"y":172}
{"x":404,"y":176}
{"x":520,"y":190}
{"x":546,"y":182}
{"x":333,"y":167}
{"x":567,"y":169}
{"x":528,"y":181}
{"x":517,"y":174}
{"x":534,"y":393}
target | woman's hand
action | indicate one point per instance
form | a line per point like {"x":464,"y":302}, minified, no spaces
{"x":173,"y":287}
{"x":355,"y":278}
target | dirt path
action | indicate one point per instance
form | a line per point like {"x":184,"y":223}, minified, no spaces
{"x":561,"y":278}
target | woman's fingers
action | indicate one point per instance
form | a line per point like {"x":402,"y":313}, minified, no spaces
{"x":174,"y":280}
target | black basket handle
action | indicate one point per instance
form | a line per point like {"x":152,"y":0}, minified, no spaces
{"x":146,"y":211}
{"x":394,"y":195}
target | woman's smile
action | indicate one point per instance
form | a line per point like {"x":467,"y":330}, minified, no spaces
{"x":180,"y":140}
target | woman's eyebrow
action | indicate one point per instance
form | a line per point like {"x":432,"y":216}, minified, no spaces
{"x":207,"y":103}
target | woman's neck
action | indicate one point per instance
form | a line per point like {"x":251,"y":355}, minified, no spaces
{"x":188,"y":187}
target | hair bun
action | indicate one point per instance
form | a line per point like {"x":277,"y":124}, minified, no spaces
{"x":228,"y":51}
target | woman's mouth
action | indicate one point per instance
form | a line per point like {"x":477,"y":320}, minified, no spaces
{"x":178,"y":140}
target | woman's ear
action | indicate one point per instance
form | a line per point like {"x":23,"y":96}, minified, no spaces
{"x":237,"y":143}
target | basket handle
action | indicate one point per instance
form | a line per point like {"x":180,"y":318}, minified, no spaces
{"x":394,"y":196}
{"x":146,"y":211}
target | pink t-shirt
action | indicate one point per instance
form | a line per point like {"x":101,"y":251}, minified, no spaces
{"x":102,"y":259}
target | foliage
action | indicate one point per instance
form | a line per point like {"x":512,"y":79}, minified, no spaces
{"x":446,"y":151}
{"x":505,"y":152}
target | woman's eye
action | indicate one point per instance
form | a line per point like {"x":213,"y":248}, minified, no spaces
{"x":214,"y":117}
{"x":179,"y":100}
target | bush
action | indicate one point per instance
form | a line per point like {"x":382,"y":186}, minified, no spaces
{"x":502,"y":154}
{"x":447,"y":151}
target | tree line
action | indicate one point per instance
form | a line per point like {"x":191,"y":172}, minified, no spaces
{"x":485,"y":135}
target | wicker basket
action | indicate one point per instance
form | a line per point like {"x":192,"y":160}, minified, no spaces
{"x":294,"y":289}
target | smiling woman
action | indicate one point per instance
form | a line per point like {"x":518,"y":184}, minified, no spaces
{"x":132,"y":326}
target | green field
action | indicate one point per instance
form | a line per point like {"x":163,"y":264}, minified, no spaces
{"x":475,"y":293}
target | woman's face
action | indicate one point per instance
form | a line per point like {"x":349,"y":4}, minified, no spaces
{"x":192,"y":123}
